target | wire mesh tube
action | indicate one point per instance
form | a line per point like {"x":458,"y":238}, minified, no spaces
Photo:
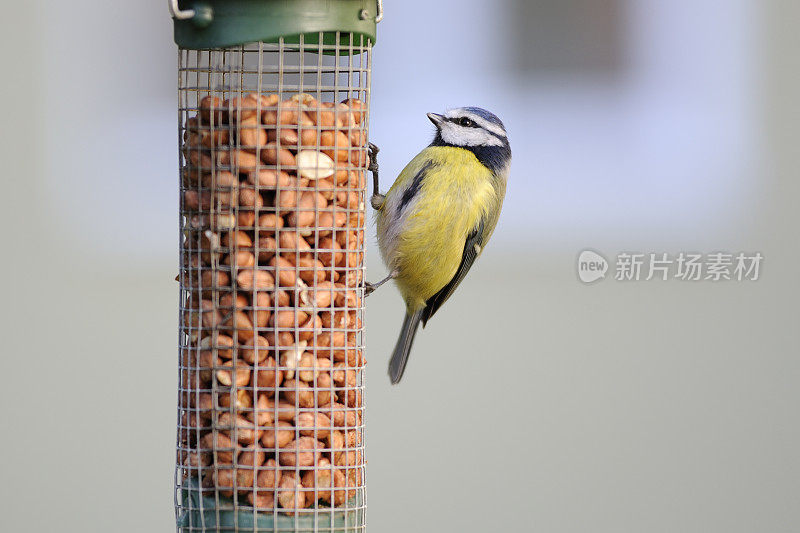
{"x":270,"y":409}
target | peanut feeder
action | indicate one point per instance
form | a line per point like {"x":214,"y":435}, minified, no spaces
{"x":273,"y":128}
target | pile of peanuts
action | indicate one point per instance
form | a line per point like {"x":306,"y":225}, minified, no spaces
{"x":272,"y":263}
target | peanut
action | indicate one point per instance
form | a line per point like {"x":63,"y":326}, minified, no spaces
{"x":324,"y":116}
{"x":307,"y":204}
{"x":323,"y":479}
{"x":278,"y":436}
{"x":313,"y":425}
{"x":309,"y":329}
{"x":346,"y":297}
{"x":237,"y":239}
{"x":285,"y":271}
{"x":206,"y":362}
{"x":326,"y":188}
{"x":287,"y":113}
{"x":241,"y":326}
{"x":357,"y":108}
{"x":240,"y":259}
{"x":224,"y":479}
{"x":268,"y":475}
{"x":194,"y":422}
{"x":269,"y":222}
{"x":315,"y":165}
{"x":220,"y":445}
{"x":244,"y":107}
{"x":336,"y":145}
{"x":343,"y":417}
{"x":319,"y":296}
{"x":283,"y":338}
{"x":262,"y":415}
{"x":268,"y":375}
{"x":245,"y":219}
{"x":255,"y":350}
{"x":298,"y":393}
{"x":285,"y":137}
{"x":249,"y":459}
{"x":289,"y":358}
{"x":272,"y":154}
{"x":196,"y":460}
{"x":249,"y":197}
{"x":210,"y":106}
{"x":335,"y":444}
{"x":235,"y":399}
{"x":251,"y":135}
{"x":311,"y":270}
{"x":271,"y":179}
{"x":228,"y":376}
{"x":266,"y":248}
{"x":292,"y":241}
{"x":288,"y":318}
{"x":238,"y":160}
{"x":249,"y":279}
{"x":222,"y":343}
{"x":329,"y":252}
{"x":220,"y":179}
{"x":245,"y":431}
{"x":262,"y":499}
{"x":300,"y":452}
{"x":324,"y":383}
{"x":306,"y":367}
{"x":262,"y":309}
{"x":290,"y":493}
{"x":343,"y":376}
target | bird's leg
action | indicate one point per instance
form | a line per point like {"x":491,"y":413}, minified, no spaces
{"x":369,"y":288}
{"x":377,"y":198}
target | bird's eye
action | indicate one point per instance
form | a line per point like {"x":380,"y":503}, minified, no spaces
{"x":467,"y":123}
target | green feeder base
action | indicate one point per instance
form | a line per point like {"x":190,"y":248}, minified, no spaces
{"x":202,"y":513}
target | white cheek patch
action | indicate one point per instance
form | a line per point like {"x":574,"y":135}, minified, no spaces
{"x":463,"y":136}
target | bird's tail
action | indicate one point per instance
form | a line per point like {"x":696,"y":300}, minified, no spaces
{"x":397,"y":364}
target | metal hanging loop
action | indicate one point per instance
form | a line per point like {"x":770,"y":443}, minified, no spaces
{"x":379,"y":17}
{"x":178,"y":13}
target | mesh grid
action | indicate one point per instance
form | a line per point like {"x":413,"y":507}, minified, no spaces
{"x":270,"y":408}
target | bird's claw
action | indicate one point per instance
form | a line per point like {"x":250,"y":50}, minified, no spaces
{"x":369,"y":288}
{"x":373,"y":157}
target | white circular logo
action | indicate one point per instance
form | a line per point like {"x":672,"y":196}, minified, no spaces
{"x":591,"y":266}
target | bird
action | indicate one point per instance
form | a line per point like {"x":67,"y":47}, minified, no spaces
{"x":439,"y":214}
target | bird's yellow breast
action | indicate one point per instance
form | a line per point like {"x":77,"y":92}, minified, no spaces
{"x":428,"y":242}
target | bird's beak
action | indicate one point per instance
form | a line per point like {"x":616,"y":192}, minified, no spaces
{"x":436,"y":118}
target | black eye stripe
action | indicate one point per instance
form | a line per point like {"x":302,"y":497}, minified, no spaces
{"x":464,"y":121}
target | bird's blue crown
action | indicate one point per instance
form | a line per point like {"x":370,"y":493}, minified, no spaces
{"x":487,"y":115}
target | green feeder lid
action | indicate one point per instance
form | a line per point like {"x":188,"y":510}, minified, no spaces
{"x":205,"y":24}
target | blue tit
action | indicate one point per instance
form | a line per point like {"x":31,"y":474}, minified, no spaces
{"x":439,"y":214}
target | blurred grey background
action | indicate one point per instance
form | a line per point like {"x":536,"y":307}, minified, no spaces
{"x":532,"y":402}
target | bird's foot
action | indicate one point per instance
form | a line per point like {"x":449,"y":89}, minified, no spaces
{"x":369,"y":288}
{"x":373,"y":157}
{"x":377,"y":198}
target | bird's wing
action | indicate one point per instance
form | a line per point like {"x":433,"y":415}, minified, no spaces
{"x":472,"y":249}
